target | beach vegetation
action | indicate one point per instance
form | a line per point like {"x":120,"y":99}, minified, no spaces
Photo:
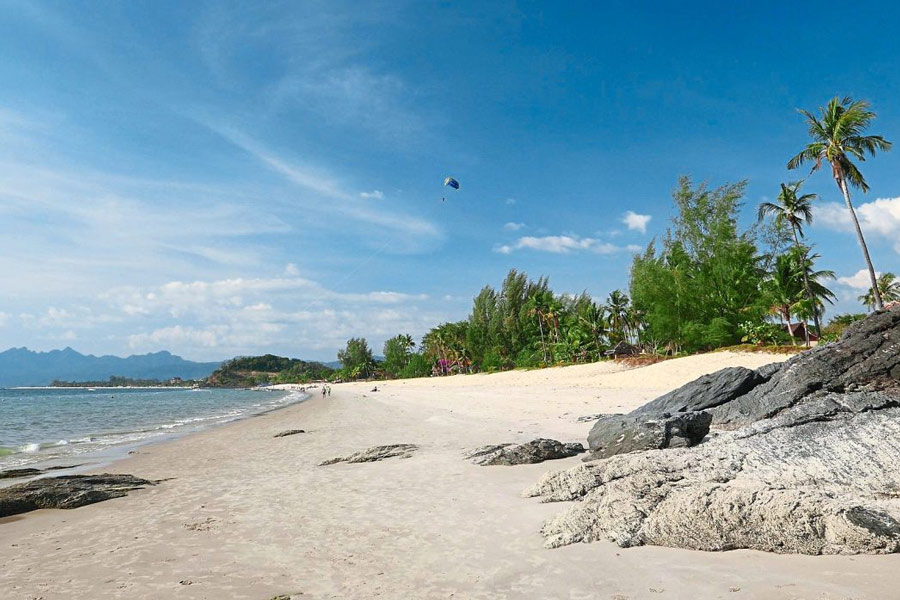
{"x":356,"y":359}
{"x":838,"y":137}
{"x":249,"y":371}
{"x":705,"y":279}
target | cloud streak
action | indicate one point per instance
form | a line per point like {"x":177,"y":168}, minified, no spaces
{"x":564,"y":244}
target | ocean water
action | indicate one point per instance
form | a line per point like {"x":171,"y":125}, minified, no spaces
{"x":54,"y":426}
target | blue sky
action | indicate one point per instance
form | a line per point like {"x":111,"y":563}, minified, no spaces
{"x":221,"y":178}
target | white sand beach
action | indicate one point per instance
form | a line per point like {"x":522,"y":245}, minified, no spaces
{"x":243,"y":515}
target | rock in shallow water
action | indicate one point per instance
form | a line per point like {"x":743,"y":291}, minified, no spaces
{"x":69,"y":491}
{"x":809,"y":465}
{"x":375,"y":453}
{"x":535,"y":451}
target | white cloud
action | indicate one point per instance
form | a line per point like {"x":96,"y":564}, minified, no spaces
{"x":636,"y":222}
{"x":237,"y":316}
{"x":375,"y":194}
{"x":879,"y":217}
{"x":859,"y":280}
{"x":564,"y":244}
{"x":511,"y":226}
{"x":510,"y":201}
{"x":291,"y":270}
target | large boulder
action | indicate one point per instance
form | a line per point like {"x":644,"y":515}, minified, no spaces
{"x":531,"y":452}
{"x":620,"y":434}
{"x":706,"y":392}
{"x":803,"y":463}
{"x":69,"y":491}
{"x":866,"y":358}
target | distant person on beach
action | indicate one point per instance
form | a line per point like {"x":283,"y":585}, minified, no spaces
{"x":329,"y":391}
{"x":323,"y":391}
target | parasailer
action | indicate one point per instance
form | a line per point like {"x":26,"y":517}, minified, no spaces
{"x":450,"y":182}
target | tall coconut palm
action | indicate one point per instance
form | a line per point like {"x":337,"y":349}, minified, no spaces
{"x":888,"y":287}
{"x":796,"y":211}
{"x":837,"y":137}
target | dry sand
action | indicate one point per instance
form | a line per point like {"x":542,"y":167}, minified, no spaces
{"x":246,"y":515}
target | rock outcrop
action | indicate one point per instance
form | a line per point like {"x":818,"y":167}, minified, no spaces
{"x":69,"y":491}
{"x":535,"y":451}
{"x":803,"y":462}
{"x":620,"y":434}
{"x":288,"y":432}
{"x":374,"y":453}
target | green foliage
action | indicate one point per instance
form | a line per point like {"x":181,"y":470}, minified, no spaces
{"x":249,"y":371}
{"x":397,"y":353}
{"x":764,"y":334}
{"x":356,"y":358}
{"x":524,"y":324}
{"x":416,"y":366}
{"x":706,"y":278}
{"x":888,"y":286}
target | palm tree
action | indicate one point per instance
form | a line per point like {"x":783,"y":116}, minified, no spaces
{"x":617,"y":309}
{"x":888,"y":288}
{"x":796,"y":211}
{"x":838,"y":137}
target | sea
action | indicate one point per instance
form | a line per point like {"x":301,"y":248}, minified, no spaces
{"x":68,"y":426}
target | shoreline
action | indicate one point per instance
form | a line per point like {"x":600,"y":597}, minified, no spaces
{"x":244,"y":515}
{"x":105,"y":456}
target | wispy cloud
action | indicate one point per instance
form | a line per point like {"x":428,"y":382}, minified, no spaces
{"x":635,"y":221}
{"x":511,"y":226}
{"x":374,"y":194}
{"x":319,"y":182}
{"x":564,"y":244}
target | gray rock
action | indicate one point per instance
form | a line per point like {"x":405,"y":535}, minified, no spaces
{"x":807,"y":464}
{"x":69,"y":491}
{"x":532,"y":452}
{"x":288,"y":432}
{"x":374,"y":453}
{"x":620,"y":434}
{"x":706,"y":392}
{"x":867,"y":357}
{"x":622,"y":349}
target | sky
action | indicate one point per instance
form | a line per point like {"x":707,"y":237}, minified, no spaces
{"x":232,"y":178}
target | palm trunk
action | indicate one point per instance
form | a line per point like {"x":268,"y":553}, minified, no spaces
{"x":879,"y":305}
{"x":809,"y":294}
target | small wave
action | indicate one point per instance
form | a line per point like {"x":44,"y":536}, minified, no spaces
{"x":6,"y":451}
{"x":62,"y":443}
{"x":31,"y":448}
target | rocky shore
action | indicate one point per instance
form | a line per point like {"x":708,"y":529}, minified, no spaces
{"x":795,"y":458}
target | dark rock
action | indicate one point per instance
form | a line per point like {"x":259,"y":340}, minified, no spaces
{"x":16,"y":473}
{"x":531,"y":452}
{"x":69,"y":491}
{"x":288,"y":432}
{"x":374,"y":453}
{"x":862,"y":360}
{"x":621,"y":434}
{"x":706,"y":392}
{"x":765,"y":372}
{"x":622,"y":349}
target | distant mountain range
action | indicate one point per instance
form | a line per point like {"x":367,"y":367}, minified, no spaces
{"x":24,"y":367}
